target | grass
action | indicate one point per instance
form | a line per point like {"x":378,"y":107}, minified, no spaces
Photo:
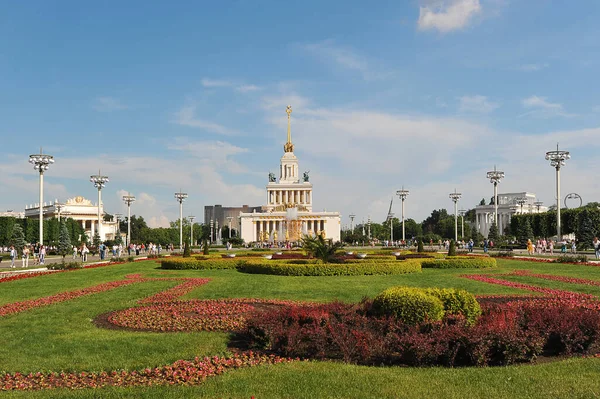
{"x":63,"y":337}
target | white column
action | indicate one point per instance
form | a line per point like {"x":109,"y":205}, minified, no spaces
{"x":93,"y":228}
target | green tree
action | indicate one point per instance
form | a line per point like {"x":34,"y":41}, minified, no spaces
{"x":96,"y":243}
{"x":586,"y":230}
{"x":452,"y":248}
{"x":525,"y":231}
{"x":17,"y":238}
{"x":64,"y":242}
{"x":493,"y":232}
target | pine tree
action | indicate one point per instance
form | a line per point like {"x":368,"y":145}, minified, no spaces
{"x":96,"y":242}
{"x":525,"y":231}
{"x":205,"y":249}
{"x":420,"y":246}
{"x":17,"y":238}
{"x":186,"y":250}
{"x":586,"y":232}
{"x":64,"y":241}
{"x":493,"y":233}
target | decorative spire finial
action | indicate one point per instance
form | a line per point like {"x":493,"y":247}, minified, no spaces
{"x":289,"y":147}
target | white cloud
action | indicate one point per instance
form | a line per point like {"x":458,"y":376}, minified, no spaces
{"x":532,"y":67}
{"x":447,"y":15}
{"x":108,"y":104}
{"x":206,"y":82}
{"x":345,"y":58}
{"x":247,"y":88}
{"x":541,"y":107}
{"x":476,"y":103}
{"x":186,"y":116}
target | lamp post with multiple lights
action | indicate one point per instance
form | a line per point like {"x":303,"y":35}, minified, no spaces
{"x":41,"y":162}
{"x":455,"y":197}
{"x":99,"y":182}
{"x":118,"y":216}
{"x":495,"y":176}
{"x":191,"y":218}
{"x":403,"y":194}
{"x":557,"y":159}
{"x":128,"y":199}
{"x":229,"y":219}
{"x":538,"y":205}
{"x":180,"y":197}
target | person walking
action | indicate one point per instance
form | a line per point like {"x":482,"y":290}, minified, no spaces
{"x":42,"y":254}
{"x":529,"y":247}
{"x":74,"y":251}
{"x":551,"y":247}
{"x":596,"y":244}
{"x":25,"y":257}
{"x":84,"y":252}
{"x":13,"y":255}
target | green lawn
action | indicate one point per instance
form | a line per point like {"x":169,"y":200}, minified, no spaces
{"x":63,"y":337}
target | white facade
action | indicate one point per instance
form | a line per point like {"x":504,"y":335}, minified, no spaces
{"x":81,"y":210}
{"x":507,"y":206}
{"x":288,"y":215}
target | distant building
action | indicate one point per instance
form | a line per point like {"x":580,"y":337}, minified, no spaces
{"x":12,"y":214}
{"x":79,"y":209}
{"x":507,"y":206}
{"x":219,"y":214}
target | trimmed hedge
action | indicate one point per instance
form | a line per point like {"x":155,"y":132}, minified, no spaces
{"x":197,"y":264}
{"x":474,"y":262}
{"x":457,"y":302}
{"x":314,"y":268}
{"x":411,"y":305}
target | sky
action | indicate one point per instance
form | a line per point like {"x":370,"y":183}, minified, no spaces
{"x":427,"y":95}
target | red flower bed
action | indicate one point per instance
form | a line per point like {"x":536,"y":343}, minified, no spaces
{"x":175,"y":292}
{"x":564,"y":279}
{"x":547,"y":291}
{"x":18,"y":307}
{"x":181,"y":372}
{"x":12,"y":277}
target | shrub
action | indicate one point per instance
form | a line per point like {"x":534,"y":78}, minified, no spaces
{"x":205,"y":248}
{"x":187,"y":252}
{"x":457,"y":302}
{"x":571,"y":259}
{"x":65,"y":266}
{"x":304,"y":267}
{"x":414,"y":256}
{"x":411,"y":305}
{"x":476,"y":262}
{"x":420,"y":246}
{"x":195,"y":264}
{"x":130,"y":258}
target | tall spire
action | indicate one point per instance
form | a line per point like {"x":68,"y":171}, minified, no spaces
{"x":288,"y":146}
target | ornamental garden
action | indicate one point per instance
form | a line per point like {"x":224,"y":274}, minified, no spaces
{"x":324,"y":322}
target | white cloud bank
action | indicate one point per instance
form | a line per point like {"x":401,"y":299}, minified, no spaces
{"x":447,"y":15}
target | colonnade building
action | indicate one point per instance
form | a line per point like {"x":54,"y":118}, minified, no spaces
{"x":288,"y":213}
{"x":508,"y":204}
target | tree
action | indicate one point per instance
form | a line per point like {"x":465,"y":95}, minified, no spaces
{"x":452,"y":248}
{"x":17,"y":238}
{"x":186,"y":250}
{"x":96,"y":243}
{"x":525,"y":231}
{"x":64,"y":242}
{"x":318,"y":247}
{"x":586,"y":231}
{"x":493,"y":232}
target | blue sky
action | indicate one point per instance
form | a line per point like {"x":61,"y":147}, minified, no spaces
{"x":425,"y":94}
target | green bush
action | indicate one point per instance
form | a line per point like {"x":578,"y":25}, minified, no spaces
{"x":307,"y":268}
{"x":411,"y":305}
{"x":420,"y":246}
{"x":196,"y":264}
{"x":471,"y":262}
{"x":65,"y":266}
{"x":452,"y":248}
{"x":457,"y":302}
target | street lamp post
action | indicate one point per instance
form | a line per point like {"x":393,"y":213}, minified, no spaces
{"x":128,"y":200}
{"x":211,"y":231}
{"x":521,"y":201}
{"x":229,"y":219}
{"x":403,"y":194}
{"x":369,"y":225}
{"x":391,"y":217}
{"x":352,"y":216}
{"x":462,"y":213}
{"x":538,"y":205}
{"x":180,"y":197}
{"x":495,"y":176}
{"x":191,"y":218}
{"x":41,"y":162}
{"x":455,"y":197}
{"x":99,"y":182}
{"x":557,"y":159}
